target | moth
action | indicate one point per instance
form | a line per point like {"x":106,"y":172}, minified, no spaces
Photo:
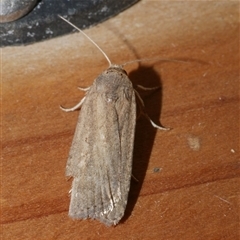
{"x":100,"y":158}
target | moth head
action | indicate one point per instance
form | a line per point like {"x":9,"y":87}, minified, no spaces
{"x":116,"y":68}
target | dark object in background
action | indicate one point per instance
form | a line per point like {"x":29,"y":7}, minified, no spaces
{"x":11,"y":10}
{"x":43,"y":22}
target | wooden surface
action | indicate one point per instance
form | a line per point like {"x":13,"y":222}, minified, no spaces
{"x":195,"y":193}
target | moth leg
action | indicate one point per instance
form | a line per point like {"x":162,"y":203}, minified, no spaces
{"x":147,"y":89}
{"x":135,"y":179}
{"x":73,"y":108}
{"x":154,"y":124}
{"x":145,"y":114}
{"x":84,"y":89}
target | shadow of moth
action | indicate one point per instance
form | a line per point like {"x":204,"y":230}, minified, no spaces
{"x":100,"y":158}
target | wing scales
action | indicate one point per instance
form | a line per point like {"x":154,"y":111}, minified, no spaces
{"x":100,"y":159}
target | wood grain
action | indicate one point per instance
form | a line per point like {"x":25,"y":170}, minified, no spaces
{"x":188,"y":177}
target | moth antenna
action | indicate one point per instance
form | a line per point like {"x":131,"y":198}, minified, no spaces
{"x":105,"y":55}
{"x":151,"y":59}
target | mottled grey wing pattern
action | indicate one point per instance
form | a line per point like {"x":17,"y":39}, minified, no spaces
{"x":100,"y":159}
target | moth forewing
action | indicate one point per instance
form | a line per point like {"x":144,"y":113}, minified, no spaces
{"x":100,"y":159}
